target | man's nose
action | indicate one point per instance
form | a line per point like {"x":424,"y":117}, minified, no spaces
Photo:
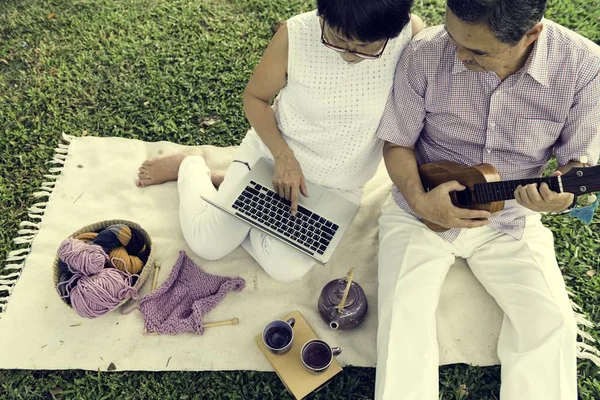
{"x":463,"y":54}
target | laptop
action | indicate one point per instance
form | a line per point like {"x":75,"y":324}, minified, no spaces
{"x":317,"y":228}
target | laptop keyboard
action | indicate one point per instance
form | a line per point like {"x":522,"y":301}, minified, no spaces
{"x":306,"y":230}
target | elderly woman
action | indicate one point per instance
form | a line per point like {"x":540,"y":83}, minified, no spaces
{"x":329,"y":72}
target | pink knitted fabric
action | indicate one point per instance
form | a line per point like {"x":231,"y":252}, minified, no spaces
{"x":181,"y":302}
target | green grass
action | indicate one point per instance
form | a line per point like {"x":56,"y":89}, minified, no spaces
{"x":160,"y":70}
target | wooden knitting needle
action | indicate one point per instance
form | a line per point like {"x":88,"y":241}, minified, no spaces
{"x":233,"y":321}
{"x":349,"y":278}
{"x":155,"y":278}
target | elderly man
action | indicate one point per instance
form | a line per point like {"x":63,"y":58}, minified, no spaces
{"x":496,"y":84}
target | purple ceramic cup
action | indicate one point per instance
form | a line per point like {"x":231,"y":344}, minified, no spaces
{"x":317,"y":355}
{"x":278,"y":336}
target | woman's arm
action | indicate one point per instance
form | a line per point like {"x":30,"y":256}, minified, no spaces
{"x":270,"y":76}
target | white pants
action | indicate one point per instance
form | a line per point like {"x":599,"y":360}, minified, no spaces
{"x":537,"y":344}
{"x":212,"y":233}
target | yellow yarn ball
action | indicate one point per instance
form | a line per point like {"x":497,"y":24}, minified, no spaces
{"x":124,"y":234}
{"x":125,"y":262}
{"x":87,"y":237}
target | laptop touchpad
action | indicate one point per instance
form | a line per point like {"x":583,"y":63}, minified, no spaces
{"x":314,"y":192}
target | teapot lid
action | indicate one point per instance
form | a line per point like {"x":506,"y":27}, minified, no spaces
{"x":335,"y":292}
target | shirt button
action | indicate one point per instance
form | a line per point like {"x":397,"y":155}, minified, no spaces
{"x":488,"y":150}
{"x":492,"y":125}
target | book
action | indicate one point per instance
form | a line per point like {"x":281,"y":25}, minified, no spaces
{"x":289,"y":366}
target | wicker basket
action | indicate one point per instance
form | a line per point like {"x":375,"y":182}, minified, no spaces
{"x":147,"y":269}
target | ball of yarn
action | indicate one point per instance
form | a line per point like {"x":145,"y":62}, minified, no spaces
{"x":64,"y":275}
{"x":108,"y":238}
{"x":63,"y":285}
{"x":87,"y":237}
{"x":137,"y":243}
{"x":121,"y":260}
{"x":121,"y":235}
{"x":126,"y":246}
{"x":81,"y":257}
{"x":98,"y":294}
{"x":63,"y":268}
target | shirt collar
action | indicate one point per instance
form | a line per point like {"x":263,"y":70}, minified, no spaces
{"x":458,"y":65}
{"x":537,"y":63}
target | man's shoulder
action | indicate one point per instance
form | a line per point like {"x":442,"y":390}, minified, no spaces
{"x":563,"y":42}
{"x":434,"y":38}
{"x":429,"y":46}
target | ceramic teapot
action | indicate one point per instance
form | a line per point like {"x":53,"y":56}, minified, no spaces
{"x":343,"y":303}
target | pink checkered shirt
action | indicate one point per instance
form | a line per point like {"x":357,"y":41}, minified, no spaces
{"x":551,"y":106}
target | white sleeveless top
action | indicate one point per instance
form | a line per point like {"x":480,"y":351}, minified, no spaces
{"x":329,"y":110}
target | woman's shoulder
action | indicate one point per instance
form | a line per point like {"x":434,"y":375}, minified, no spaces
{"x":308,"y":18}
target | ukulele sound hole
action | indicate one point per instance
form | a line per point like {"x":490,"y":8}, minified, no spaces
{"x":463,"y":198}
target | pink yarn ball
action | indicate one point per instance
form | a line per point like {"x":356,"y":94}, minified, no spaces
{"x":98,"y":294}
{"x":81,"y":257}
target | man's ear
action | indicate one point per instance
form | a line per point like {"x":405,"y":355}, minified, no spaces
{"x":532,"y":35}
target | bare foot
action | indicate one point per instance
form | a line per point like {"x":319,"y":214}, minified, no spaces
{"x":217,"y":178}
{"x":155,"y":171}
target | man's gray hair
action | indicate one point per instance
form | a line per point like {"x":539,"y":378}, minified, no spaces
{"x":510,"y":20}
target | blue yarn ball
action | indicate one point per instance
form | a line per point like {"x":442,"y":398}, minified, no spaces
{"x":63,"y":277}
{"x":107,"y":240}
{"x":63,"y":268}
{"x":137,"y":243}
{"x":132,"y":239}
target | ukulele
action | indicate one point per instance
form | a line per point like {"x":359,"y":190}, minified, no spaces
{"x":486,"y":191}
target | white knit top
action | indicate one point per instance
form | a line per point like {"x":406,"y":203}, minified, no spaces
{"x":329,"y":110}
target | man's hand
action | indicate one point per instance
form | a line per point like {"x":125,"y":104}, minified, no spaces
{"x":288,"y":179}
{"x":435,"y":206}
{"x":544,"y":199}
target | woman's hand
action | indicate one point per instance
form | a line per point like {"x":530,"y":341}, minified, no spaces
{"x":288,"y":179}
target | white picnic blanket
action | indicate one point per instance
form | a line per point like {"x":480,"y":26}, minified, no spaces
{"x":96,"y":182}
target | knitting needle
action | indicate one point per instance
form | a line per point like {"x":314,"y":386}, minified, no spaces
{"x":155,"y":278}
{"x":340,"y":307}
{"x":233,"y":321}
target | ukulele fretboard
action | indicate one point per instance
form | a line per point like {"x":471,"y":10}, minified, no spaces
{"x":504,"y":190}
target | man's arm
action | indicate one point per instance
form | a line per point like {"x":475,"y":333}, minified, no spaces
{"x":434,"y":206}
{"x":401,"y":125}
{"x":401,"y":165}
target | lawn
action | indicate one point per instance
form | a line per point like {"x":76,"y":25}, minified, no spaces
{"x":175,"y":70}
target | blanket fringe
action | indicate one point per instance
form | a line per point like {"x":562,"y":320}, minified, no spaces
{"x":11,"y":271}
{"x":584,"y":350}
{"x":588,"y":352}
{"x":13,"y":266}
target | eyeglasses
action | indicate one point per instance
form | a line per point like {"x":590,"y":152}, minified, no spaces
{"x":344,"y":50}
